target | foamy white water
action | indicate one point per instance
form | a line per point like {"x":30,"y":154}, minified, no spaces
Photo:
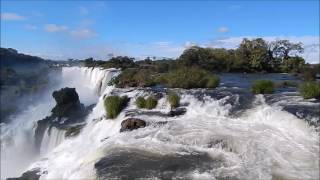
{"x":264,"y":143}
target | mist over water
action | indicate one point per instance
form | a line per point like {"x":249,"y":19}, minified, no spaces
{"x":225,"y":134}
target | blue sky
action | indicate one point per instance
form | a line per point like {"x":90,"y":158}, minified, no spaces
{"x":80,"y":29}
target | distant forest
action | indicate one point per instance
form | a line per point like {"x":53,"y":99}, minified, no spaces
{"x":256,"y":55}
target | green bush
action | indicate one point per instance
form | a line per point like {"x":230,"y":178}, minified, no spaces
{"x":134,"y":78}
{"x":141,"y":102}
{"x":188,"y":78}
{"x":310,"y":90}
{"x":114,"y":105}
{"x":151,"y":102}
{"x":262,"y":87}
{"x":173,"y":99}
{"x":213,"y":81}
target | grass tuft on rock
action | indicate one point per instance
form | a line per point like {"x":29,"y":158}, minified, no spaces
{"x":141,"y":102}
{"x":213,"y":81}
{"x":114,"y":105}
{"x":174,"y":99}
{"x":151,"y":102}
{"x":262,"y":87}
{"x":310,"y":90}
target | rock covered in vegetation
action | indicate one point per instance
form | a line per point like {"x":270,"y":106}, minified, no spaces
{"x":310,"y":90}
{"x":114,"y":105}
{"x":262,"y":87}
{"x":140,"y":102}
{"x":131,"y":124}
{"x":174,"y":99}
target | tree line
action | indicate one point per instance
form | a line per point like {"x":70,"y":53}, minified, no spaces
{"x":256,"y":55}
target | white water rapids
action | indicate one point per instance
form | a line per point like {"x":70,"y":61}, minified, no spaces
{"x":264,"y":142}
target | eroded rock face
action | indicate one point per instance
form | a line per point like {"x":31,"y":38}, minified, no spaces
{"x":68,"y":103}
{"x":136,"y":164}
{"x":29,"y":175}
{"x":131,"y":124}
{"x":66,"y":115}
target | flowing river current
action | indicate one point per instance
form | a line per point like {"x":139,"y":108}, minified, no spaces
{"x":226,"y":133}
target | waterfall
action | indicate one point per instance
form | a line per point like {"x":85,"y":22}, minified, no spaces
{"x":96,"y":79}
{"x":262,"y":142}
{"x":255,"y":145}
{"x":52,"y":138}
{"x":17,"y":137}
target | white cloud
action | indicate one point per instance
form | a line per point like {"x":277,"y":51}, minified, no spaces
{"x":55,"y":28}
{"x":223,"y":29}
{"x":162,"y":44}
{"x":83,"y":33}
{"x":11,"y":17}
{"x":30,"y":27}
{"x":188,"y":44}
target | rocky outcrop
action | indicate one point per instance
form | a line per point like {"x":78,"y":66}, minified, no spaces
{"x":29,"y":175}
{"x":66,"y":115}
{"x":139,"y":164}
{"x":131,"y":124}
{"x":67,"y":103}
{"x":177,"y":112}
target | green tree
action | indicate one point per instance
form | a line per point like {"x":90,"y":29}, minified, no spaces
{"x":253,"y":53}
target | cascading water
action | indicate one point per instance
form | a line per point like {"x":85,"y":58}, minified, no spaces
{"x":17,"y":137}
{"x":262,"y":143}
{"x":52,"y":138}
{"x":211,"y":141}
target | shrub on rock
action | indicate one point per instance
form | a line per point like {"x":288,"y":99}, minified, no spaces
{"x":151,"y":102}
{"x":213,"y":81}
{"x":114,"y":105}
{"x":141,"y":102}
{"x":262,"y":87}
{"x":310,"y":90}
{"x":174,"y":99}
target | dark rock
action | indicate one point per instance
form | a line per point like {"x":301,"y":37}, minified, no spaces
{"x":74,"y":130}
{"x":177,"y":112}
{"x":42,"y":125}
{"x":68,"y":103}
{"x":131,"y":124}
{"x":136,"y":164}
{"x":68,"y":114}
{"x":29,"y":175}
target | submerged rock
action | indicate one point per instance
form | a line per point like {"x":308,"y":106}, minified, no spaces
{"x":131,"y":124}
{"x":136,"y":164}
{"x":177,"y":112}
{"x":29,"y":175}
{"x":73,"y":131}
